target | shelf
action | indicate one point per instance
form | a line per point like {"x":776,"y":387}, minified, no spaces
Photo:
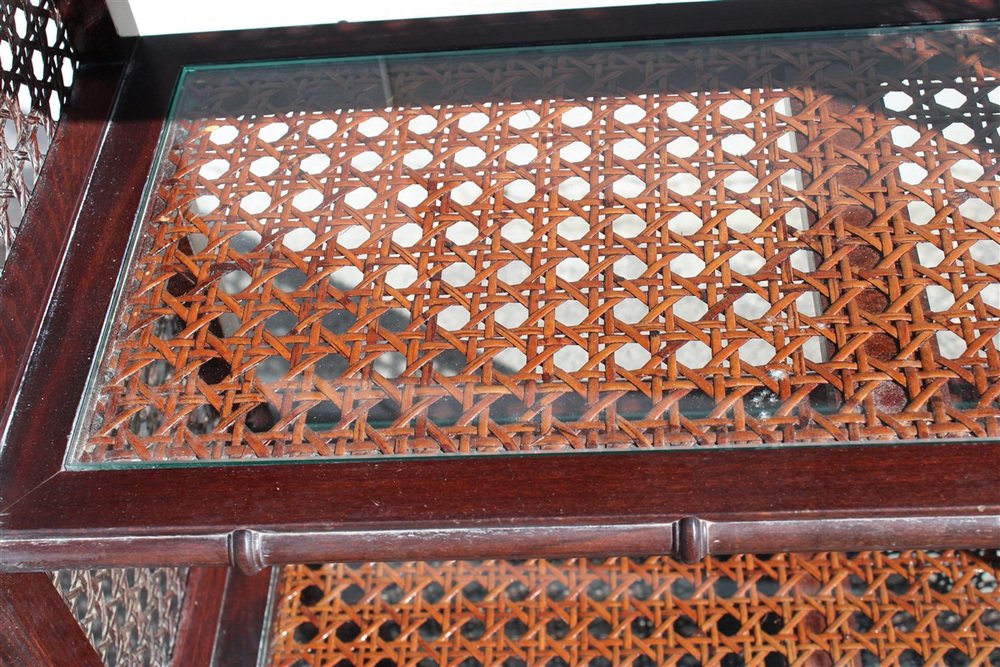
{"x":721,"y":242}
{"x":326,"y":294}
{"x":814,"y":609}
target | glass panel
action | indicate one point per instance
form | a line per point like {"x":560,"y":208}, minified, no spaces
{"x":737,"y":242}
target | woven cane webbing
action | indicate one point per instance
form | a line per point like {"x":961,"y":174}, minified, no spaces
{"x":38,"y":67}
{"x":733,"y":243}
{"x":131,"y":615}
{"x":914,"y":608}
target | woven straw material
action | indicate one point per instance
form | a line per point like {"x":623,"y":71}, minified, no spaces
{"x":641,"y":246}
{"x":914,"y":608}
{"x":131,"y":615}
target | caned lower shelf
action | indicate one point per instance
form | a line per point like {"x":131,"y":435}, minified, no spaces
{"x":911,"y":608}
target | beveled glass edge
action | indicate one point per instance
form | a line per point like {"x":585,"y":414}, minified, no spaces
{"x":88,"y":398}
{"x":84,"y":410}
{"x":435,"y":456}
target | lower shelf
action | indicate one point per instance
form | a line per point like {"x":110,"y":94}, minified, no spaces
{"x":871,"y":608}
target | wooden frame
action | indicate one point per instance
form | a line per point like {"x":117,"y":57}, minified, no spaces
{"x":689,"y":503}
{"x":36,"y":626}
{"x":224,"y":617}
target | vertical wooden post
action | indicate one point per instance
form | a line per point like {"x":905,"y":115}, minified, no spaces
{"x":243,"y":623}
{"x":199,"y":623}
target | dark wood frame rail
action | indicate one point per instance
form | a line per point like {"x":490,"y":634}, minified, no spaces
{"x":30,"y":611}
{"x":689,"y":503}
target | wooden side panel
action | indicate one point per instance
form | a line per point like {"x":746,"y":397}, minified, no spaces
{"x":32,"y":269}
{"x":206,"y":588}
{"x":36,"y":626}
{"x":242,"y":624}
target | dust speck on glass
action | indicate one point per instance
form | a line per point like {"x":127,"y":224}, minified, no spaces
{"x":727,"y":242}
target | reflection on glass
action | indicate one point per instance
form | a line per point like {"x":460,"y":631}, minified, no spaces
{"x":649,"y":245}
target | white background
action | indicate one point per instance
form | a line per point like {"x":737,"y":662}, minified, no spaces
{"x":159,"y":17}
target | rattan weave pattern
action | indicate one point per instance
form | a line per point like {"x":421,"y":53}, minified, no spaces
{"x":777,"y":241}
{"x":130,"y":614}
{"x":914,"y":608}
{"x":38,"y":66}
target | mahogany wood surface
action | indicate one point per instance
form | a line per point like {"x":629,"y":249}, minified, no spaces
{"x":91,"y":30}
{"x":200,"y":615}
{"x":28,"y":279}
{"x":243,"y":621}
{"x":36,"y":626}
{"x":867,"y":496}
{"x":687,"y":502}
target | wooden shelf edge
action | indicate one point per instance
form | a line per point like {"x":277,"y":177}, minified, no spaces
{"x":687,"y":538}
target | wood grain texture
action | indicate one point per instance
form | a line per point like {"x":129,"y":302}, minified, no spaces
{"x":810,"y":498}
{"x":89,"y":207}
{"x":36,"y":626}
{"x":205,"y":591}
{"x":28,"y":279}
{"x":243,"y":622}
{"x":714,"y":484}
{"x":840,"y":496}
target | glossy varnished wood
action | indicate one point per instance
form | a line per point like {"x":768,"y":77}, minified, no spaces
{"x":714,"y":484}
{"x":199,"y":621}
{"x":28,"y":279}
{"x":686,"y":502}
{"x":595,"y":504}
{"x":36,"y":626}
{"x":243,"y":621}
